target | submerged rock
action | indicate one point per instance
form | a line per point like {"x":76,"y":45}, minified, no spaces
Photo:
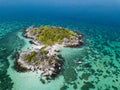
{"x":87,"y":86}
{"x":75,"y":86}
{"x":64,"y":87}
{"x":85,"y":76}
{"x":70,"y":74}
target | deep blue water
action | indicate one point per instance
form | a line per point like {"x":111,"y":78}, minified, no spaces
{"x":98,"y":20}
{"x":90,"y":11}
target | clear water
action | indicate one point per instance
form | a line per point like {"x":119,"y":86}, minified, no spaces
{"x":99,"y":21}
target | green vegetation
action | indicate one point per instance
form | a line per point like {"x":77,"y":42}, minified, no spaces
{"x":48,"y":35}
{"x":44,"y":51}
{"x":32,"y":31}
{"x":35,"y":56}
{"x":51,"y":34}
{"x":30,"y":56}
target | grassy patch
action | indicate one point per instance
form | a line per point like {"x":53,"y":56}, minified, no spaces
{"x":51,"y":34}
{"x":30,"y":56}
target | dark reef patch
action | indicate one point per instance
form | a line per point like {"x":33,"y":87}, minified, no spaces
{"x":87,"y":86}
{"x":87,"y":65}
{"x":70,"y":74}
{"x":85,"y":76}
{"x":115,"y":88}
{"x":64,"y":87}
{"x":75,"y":86}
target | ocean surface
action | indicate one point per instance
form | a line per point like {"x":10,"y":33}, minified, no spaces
{"x":97,"y":20}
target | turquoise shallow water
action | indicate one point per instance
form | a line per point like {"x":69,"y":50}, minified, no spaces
{"x":100,"y":68}
{"x":98,"y":20}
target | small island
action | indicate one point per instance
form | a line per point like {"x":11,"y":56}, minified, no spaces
{"x":47,"y":42}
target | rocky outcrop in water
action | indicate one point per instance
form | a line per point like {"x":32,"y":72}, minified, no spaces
{"x":44,"y":55}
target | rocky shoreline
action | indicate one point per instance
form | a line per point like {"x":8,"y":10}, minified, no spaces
{"x":44,"y":57}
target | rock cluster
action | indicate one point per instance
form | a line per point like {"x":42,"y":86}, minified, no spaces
{"x":47,"y":59}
